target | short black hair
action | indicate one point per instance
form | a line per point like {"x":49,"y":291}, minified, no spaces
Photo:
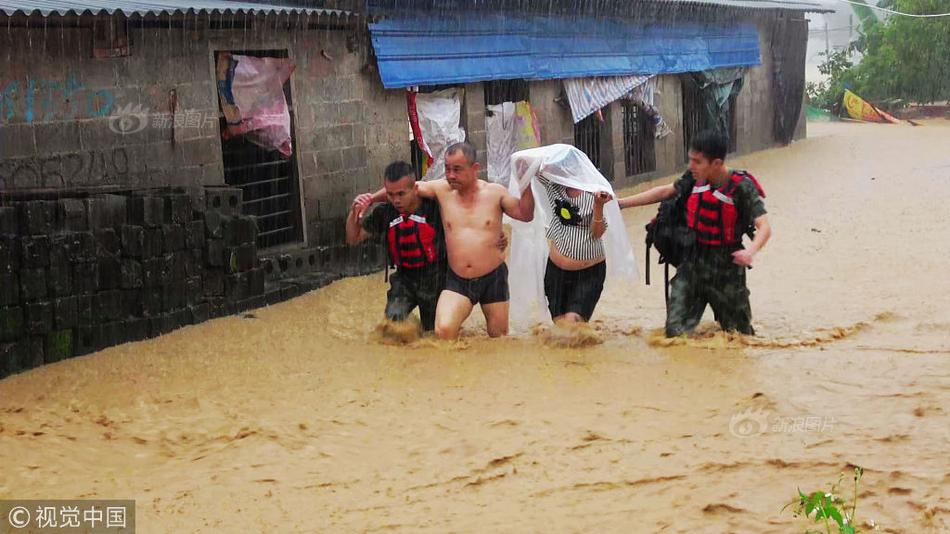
{"x":396,"y":170}
{"x":466,"y":148}
{"x":711,"y":144}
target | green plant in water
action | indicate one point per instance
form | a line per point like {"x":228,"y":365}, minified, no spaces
{"x":827,"y":509}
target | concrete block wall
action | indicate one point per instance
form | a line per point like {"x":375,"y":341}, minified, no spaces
{"x":81,"y":274}
{"x":69,"y":120}
{"x":473,"y":121}
{"x":754,"y":106}
{"x":555,"y":118}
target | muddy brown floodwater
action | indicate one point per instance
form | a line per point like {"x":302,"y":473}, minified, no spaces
{"x":296,"y":420}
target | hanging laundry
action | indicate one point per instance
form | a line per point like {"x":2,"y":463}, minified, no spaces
{"x":511,"y":126}
{"x":251,"y":91}
{"x":587,"y":95}
{"x":645,"y":95}
{"x":439,"y":115}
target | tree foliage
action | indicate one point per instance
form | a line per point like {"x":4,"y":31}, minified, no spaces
{"x":903,"y":58}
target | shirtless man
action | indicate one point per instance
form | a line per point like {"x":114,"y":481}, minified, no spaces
{"x":471,"y":215}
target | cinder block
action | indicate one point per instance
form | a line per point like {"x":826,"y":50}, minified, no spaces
{"x":273,"y":295}
{"x":133,"y":241}
{"x":34,"y":251}
{"x":12,"y":357}
{"x":178,"y":208}
{"x":193,"y":289}
{"x":240,"y":231}
{"x":78,"y":246}
{"x":173,"y":237}
{"x":37,"y":217}
{"x":33,"y":285}
{"x":193,"y":262}
{"x":85,"y":277}
{"x":151,"y":304}
{"x":214,"y":224}
{"x":173,"y":296}
{"x":152,"y":272}
{"x":107,"y":306}
{"x":147,"y":211}
{"x":58,"y":346}
{"x":110,"y":334}
{"x":256,"y":282}
{"x":182,"y":317}
{"x":60,"y":275}
{"x":152,"y":244}
{"x":84,"y":309}
{"x":35,"y":358}
{"x":212,"y":283}
{"x":241,"y":259}
{"x":236,"y":287}
{"x":217,"y":306}
{"x":106,"y":211}
{"x":39,"y":317}
{"x":131,"y":303}
{"x":9,"y":254}
{"x":110,"y":272}
{"x":215,"y":253}
{"x":130,"y":276}
{"x":137,"y":329}
{"x":194,"y":234}
{"x":200,"y":312}
{"x":11,"y":323}
{"x":225,"y":200}
{"x":85,"y":340}
{"x":158,"y":325}
{"x":71,"y":215}
{"x":65,"y":313}
{"x":9,"y":289}
{"x":108,"y":242}
{"x":8,"y":220}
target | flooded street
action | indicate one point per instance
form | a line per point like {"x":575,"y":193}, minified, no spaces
{"x":294,"y":419}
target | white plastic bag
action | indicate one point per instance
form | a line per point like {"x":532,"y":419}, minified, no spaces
{"x":256,"y":86}
{"x":570,"y":167}
{"x":501,"y":141}
{"x":439,"y":115}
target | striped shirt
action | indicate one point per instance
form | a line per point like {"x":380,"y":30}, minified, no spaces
{"x":570,"y":227}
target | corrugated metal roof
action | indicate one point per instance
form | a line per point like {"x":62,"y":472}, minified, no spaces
{"x":794,"y":5}
{"x":153,"y":7}
{"x":609,"y":7}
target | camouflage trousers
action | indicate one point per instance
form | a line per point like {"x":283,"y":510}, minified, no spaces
{"x":709,"y":278}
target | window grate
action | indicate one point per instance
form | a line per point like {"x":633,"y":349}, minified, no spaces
{"x":639,"y":142}
{"x":267,"y":180}
{"x":587,"y":137}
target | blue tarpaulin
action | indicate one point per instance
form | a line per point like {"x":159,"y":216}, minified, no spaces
{"x":448,"y":48}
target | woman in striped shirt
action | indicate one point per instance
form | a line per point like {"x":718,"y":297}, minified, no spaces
{"x":574,"y":276}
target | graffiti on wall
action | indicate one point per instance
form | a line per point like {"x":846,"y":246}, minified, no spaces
{"x":42,"y":100}
{"x":96,"y":167}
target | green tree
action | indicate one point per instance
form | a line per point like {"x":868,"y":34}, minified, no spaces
{"x":903,"y":57}
{"x":906,"y":57}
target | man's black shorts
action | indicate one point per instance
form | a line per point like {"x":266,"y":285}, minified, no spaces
{"x":409,"y":288}
{"x":574,"y":291}
{"x":487,"y":289}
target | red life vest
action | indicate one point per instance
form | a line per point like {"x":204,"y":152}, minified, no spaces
{"x":712,"y":212}
{"x":411,"y":241}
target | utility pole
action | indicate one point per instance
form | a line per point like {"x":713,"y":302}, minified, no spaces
{"x":827,"y":40}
